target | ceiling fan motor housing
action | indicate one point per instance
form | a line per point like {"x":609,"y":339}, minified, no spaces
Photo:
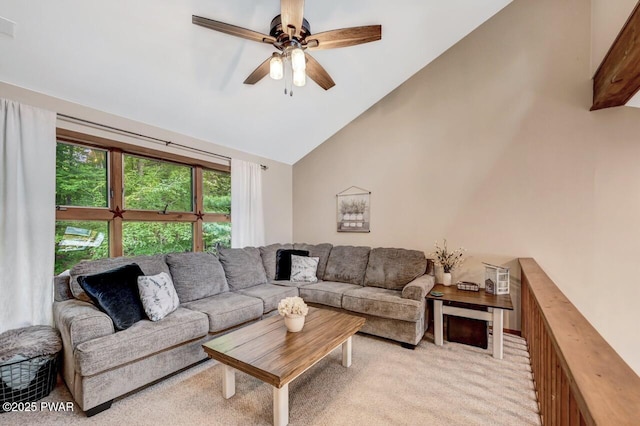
{"x":282,"y":36}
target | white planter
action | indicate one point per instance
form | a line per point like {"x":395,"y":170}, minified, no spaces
{"x":446,"y":278}
{"x":294,"y":323}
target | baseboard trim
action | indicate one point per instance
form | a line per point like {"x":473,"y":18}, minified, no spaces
{"x":508,"y":331}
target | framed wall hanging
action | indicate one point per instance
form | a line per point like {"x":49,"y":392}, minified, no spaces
{"x":353,"y":210}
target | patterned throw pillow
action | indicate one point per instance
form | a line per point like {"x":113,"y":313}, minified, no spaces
{"x":158,"y":296}
{"x":303,"y":269}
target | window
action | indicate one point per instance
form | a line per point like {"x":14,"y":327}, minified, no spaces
{"x":156,"y":237}
{"x":81,"y":176}
{"x":80,"y":240}
{"x":216,"y":191}
{"x":114,"y":199}
{"x":157,"y":185}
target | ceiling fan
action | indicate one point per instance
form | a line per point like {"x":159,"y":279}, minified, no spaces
{"x":291,"y":34}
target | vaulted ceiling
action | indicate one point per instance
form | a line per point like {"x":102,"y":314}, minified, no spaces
{"x":145,"y":60}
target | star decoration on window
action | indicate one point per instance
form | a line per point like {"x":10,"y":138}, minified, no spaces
{"x":199,"y":215}
{"x":117,"y":212}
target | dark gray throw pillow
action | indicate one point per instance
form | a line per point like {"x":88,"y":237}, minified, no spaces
{"x":283,"y":262}
{"x":116,"y":293}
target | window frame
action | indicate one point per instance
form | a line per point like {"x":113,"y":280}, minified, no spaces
{"x":114,"y":214}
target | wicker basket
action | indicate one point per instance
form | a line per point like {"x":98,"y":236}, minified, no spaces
{"x":28,"y":380}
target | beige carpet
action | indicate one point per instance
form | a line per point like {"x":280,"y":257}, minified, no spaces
{"x":386,"y":385}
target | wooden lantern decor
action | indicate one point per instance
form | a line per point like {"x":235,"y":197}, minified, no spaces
{"x":496,"y":279}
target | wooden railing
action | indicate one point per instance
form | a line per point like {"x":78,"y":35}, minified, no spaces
{"x":579,"y":378}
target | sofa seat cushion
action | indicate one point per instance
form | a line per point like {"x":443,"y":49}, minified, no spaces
{"x":242,"y":267}
{"x":150,"y":265}
{"x":270,"y":294}
{"x":196,"y":275}
{"x":268,"y":255}
{"x":383,"y":303}
{"x":347,"y":264}
{"x":317,"y":250}
{"x":326,"y":292}
{"x":142,"y":339}
{"x":394,"y":268}
{"x":226,"y":310}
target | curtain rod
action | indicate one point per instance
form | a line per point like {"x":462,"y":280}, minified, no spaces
{"x":71,"y":119}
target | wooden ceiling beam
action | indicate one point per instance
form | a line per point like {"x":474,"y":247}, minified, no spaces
{"x":618,"y":76}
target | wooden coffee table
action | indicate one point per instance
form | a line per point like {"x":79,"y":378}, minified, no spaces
{"x":267,"y":351}
{"x":476,"y":299}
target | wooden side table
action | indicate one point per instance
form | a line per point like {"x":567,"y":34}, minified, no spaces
{"x":476,"y":300}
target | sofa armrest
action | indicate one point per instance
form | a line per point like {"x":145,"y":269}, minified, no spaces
{"x":61,"y":285}
{"x":418,"y":288}
{"x":80,"y":321}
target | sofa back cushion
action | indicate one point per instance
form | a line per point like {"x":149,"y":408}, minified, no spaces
{"x":196,"y":275}
{"x":150,"y":265}
{"x":347,"y":264}
{"x":242,"y":267}
{"x":317,"y":250}
{"x":268,"y":254}
{"x":394,"y":268}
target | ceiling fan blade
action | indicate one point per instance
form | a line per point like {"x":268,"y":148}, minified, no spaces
{"x":318,"y":74}
{"x":232,"y":30}
{"x":259,"y":73}
{"x":291,"y":12}
{"x":345,"y":37}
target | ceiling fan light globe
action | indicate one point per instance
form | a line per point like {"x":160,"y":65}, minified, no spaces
{"x":276,"y":68}
{"x":298,"y":61}
{"x":299,"y":78}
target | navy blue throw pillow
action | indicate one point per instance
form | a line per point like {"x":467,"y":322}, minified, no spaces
{"x":116,"y":293}
{"x":283,"y":262}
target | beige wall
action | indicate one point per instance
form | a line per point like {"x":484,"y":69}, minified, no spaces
{"x":277,"y":184}
{"x":493,"y":147}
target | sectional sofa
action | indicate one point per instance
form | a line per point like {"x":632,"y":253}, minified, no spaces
{"x":219,"y":293}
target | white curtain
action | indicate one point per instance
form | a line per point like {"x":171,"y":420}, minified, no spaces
{"x":247,"y":217}
{"x":27,"y":214}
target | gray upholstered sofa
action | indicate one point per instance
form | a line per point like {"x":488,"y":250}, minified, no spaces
{"x":220,"y":293}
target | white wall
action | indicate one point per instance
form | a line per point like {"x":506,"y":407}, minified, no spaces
{"x":493,"y":146}
{"x":277,"y":185}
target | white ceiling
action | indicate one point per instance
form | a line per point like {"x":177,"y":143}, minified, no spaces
{"x":145,"y":60}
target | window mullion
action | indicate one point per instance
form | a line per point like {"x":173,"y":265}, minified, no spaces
{"x":116,"y":202}
{"x":198,"y":239}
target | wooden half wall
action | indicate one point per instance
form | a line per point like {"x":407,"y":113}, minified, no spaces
{"x":579,"y":378}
